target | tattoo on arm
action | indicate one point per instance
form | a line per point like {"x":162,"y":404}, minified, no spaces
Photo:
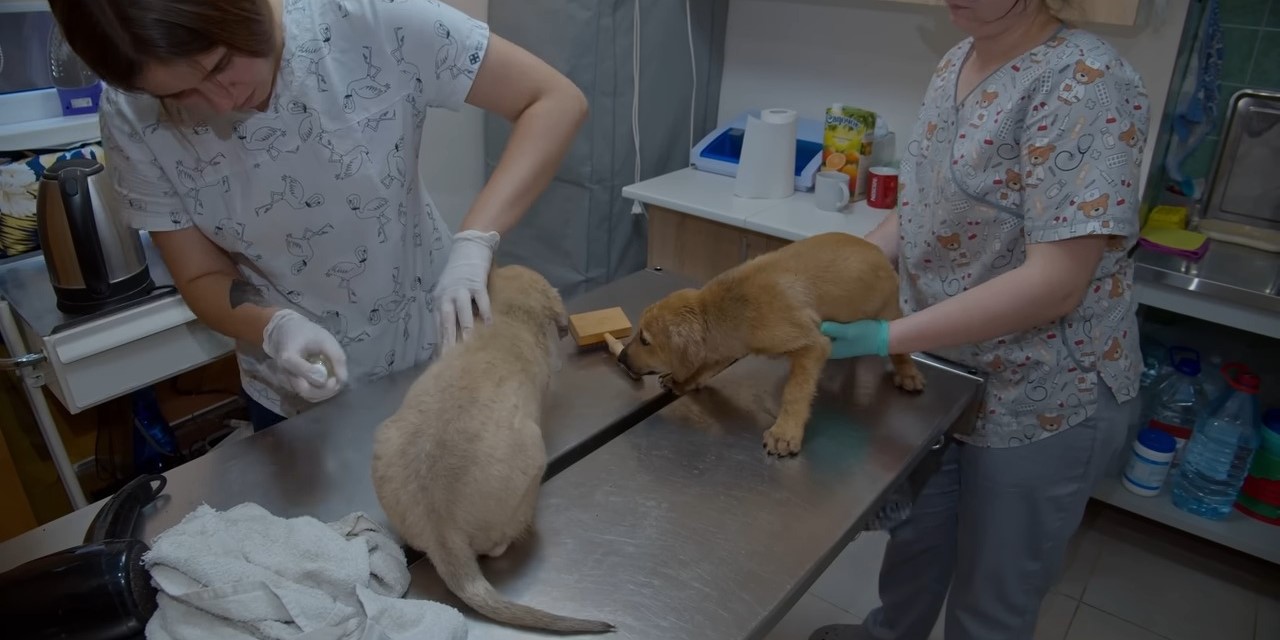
{"x":243,"y":292}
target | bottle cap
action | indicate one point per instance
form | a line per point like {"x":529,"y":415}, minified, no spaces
{"x":1187,"y":367}
{"x":322,"y":368}
{"x":1242,"y":379}
{"x":1157,"y":440}
{"x":1185,"y":361}
{"x":1271,"y":419}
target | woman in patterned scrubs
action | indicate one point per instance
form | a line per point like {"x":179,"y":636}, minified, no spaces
{"x":270,"y":147}
{"x":1018,"y":205}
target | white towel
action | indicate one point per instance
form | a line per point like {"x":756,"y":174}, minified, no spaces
{"x":245,"y":573}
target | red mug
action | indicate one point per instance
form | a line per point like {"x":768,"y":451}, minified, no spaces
{"x":882,"y":187}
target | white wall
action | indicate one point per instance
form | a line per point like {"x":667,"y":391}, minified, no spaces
{"x":807,"y":54}
{"x":452,"y":154}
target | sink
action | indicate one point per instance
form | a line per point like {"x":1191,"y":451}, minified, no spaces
{"x":1229,"y":272}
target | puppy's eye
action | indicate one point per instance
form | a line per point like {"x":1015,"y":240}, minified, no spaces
{"x":644,"y":340}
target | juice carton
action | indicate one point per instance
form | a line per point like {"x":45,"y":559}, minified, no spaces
{"x":848,"y":138}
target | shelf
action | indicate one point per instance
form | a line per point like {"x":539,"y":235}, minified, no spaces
{"x":1238,"y":531}
{"x":50,"y":133}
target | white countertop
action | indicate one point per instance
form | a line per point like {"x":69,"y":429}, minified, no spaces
{"x":710,"y":196}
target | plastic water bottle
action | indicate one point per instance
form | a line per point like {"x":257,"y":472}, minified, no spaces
{"x":1178,"y":400}
{"x":1153,"y":364}
{"x":155,"y":446}
{"x":1215,"y":381}
{"x":1221,"y":449}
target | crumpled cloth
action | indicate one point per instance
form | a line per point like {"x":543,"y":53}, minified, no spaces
{"x":245,"y":573}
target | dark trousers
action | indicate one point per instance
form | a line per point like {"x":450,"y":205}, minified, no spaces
{"x":260,"y":416}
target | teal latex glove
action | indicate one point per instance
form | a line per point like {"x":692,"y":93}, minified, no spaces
{"x":854,"y":339}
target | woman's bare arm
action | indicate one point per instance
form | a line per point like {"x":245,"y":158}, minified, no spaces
{"x":211,"y":286}
{"x":546,"y":109}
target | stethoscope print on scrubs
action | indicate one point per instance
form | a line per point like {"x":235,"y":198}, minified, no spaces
{"x":1065,"y":160}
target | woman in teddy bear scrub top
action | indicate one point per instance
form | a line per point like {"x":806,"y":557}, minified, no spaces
{"x":1017,"y":208}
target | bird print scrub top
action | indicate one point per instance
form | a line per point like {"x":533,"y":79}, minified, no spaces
{"x":317,"y":199}
{"x":1049,"y":147}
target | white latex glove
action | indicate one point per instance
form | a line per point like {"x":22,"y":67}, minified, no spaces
{"x":292,"y":340}
{"x":465,"y":278}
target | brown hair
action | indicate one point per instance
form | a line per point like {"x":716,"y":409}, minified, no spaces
{"x":117,"y":38}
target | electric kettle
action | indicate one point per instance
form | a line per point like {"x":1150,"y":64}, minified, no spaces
{"x":95,"y":260}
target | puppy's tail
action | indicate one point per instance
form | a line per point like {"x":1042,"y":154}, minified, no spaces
{"x":456,"y":564}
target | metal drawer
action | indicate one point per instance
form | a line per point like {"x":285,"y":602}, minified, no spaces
{"x":108,"y":358}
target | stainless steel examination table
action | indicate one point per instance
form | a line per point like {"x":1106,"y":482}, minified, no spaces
{"x":662,"y":515}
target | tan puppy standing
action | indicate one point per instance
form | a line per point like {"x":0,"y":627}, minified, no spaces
{"x":772,"y":305}
{"x":458,"y":467}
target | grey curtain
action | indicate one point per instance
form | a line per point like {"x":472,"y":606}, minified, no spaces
{"x":581,"y":233}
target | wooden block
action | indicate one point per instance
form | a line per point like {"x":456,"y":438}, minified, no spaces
{"x":589,"y":328}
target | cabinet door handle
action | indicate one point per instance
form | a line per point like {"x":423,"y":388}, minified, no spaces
{"x":21,"y":362}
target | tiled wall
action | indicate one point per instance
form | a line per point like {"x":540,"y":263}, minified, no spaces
{"x":1251,"y":36}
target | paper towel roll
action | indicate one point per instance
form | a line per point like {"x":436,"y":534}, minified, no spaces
{"x":768,"y":164}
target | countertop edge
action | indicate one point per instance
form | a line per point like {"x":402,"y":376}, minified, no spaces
{"x":775,"y":217}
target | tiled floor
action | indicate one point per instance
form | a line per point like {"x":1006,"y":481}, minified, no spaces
{"x":1126,"y":579}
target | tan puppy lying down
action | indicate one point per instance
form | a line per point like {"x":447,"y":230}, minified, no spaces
{"x":772,"y":305}
{"x":458,"y":467}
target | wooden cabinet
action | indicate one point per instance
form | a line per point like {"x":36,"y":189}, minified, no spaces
{"x":698,"y":248}
{"x":15,"y":510}
{"x":1117,"y":12}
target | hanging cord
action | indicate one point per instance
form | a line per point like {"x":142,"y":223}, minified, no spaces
{"x":693,"y":64}
{"x":636,"y":207}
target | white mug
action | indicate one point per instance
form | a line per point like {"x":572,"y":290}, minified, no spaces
{"x":831,"y":190}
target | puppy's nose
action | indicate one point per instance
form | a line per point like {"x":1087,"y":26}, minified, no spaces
{"x":624,"y":361}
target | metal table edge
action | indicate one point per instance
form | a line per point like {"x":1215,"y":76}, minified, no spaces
{"x":944,"y":425}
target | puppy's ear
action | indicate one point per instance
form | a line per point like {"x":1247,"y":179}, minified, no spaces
{"x":686,"y":340}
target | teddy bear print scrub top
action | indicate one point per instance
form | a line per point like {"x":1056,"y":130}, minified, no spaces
{"x":1049,"y":147}
{"x":317,"y":199}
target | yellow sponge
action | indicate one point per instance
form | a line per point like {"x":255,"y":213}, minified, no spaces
{"x":1167,"y":217}
{"x":1179,"y":239}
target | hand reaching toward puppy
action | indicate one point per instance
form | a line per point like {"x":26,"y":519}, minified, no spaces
{"x":465,"y":279}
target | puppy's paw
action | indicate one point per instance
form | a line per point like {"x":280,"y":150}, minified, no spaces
{"x":911,"y":380}
{"x":678,"y":387}
{"x":780,"y":442}
{"x":667,"y":382}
